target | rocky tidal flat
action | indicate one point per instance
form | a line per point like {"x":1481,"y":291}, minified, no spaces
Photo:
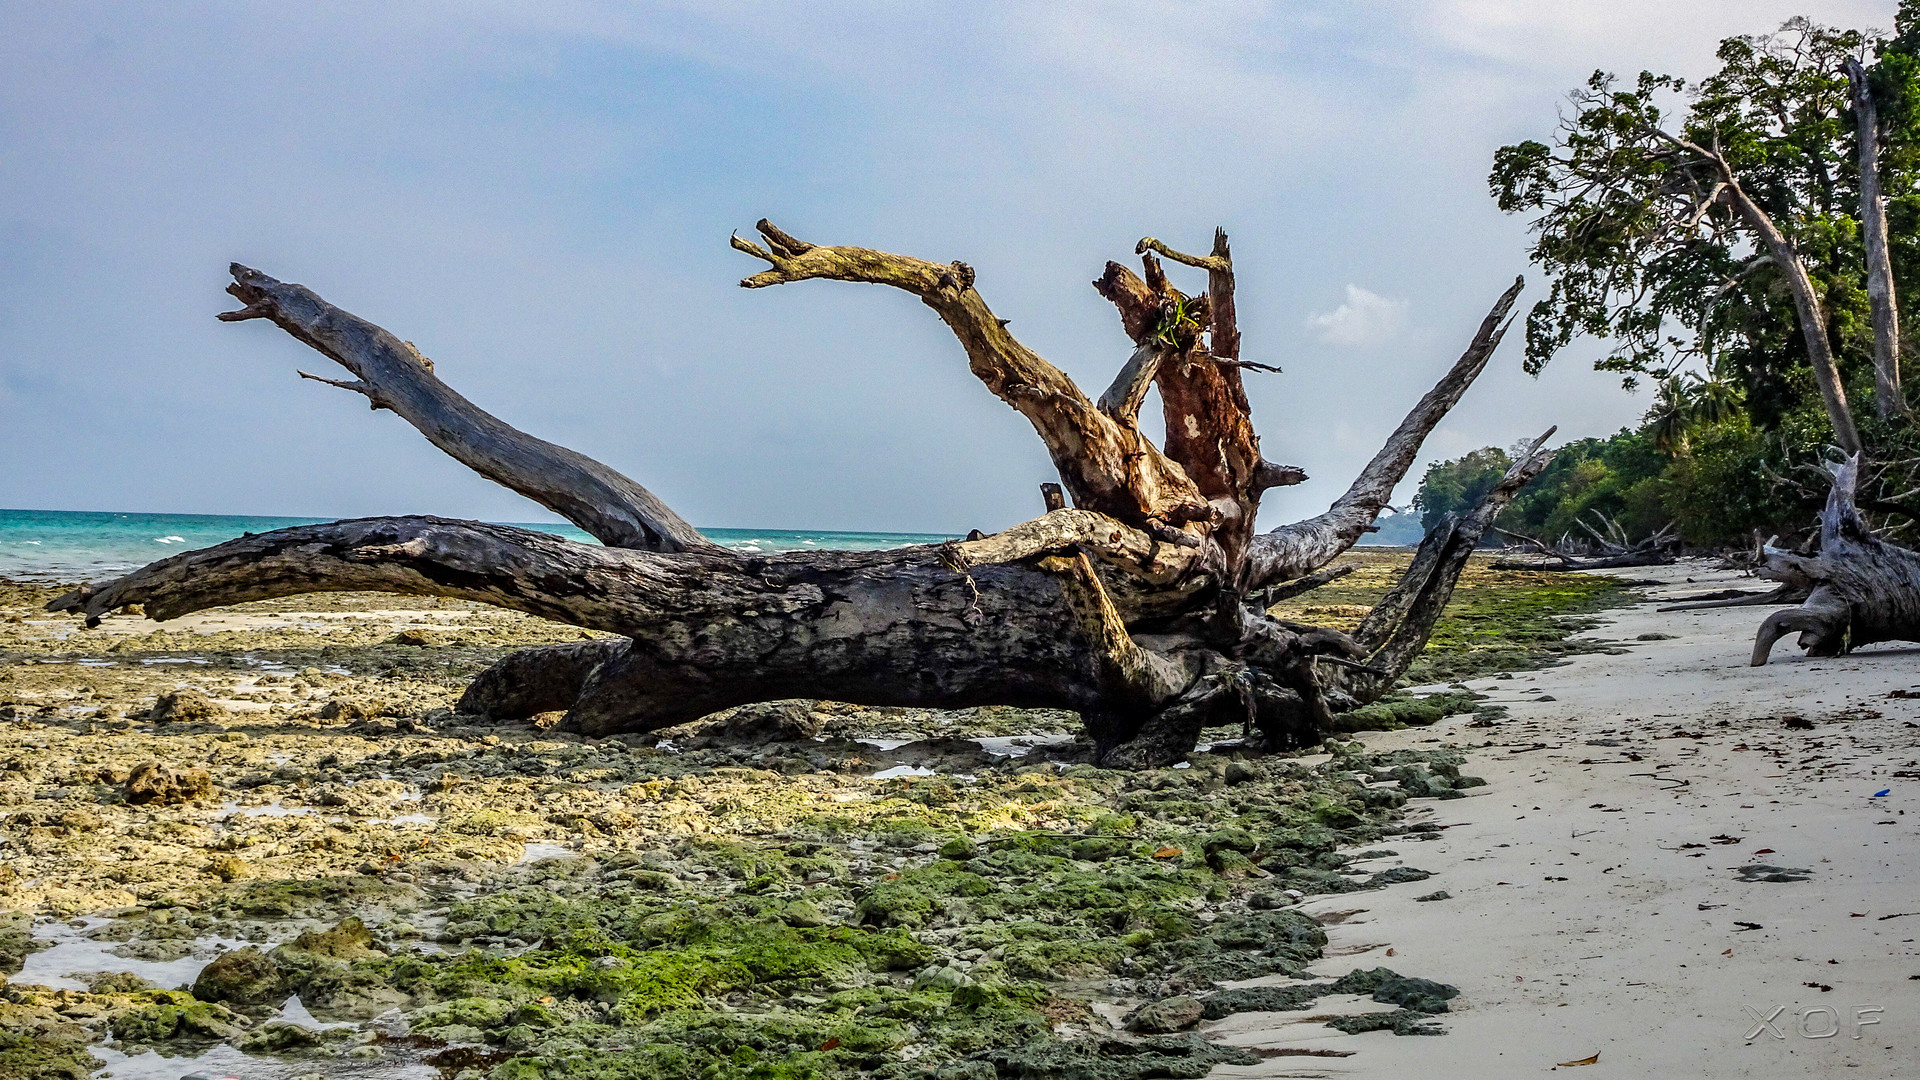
{"x":259,"y":842}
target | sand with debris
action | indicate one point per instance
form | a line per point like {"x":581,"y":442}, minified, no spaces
{"x":1599,"y":896}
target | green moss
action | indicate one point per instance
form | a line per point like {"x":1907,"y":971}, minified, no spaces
{"x":170,"y":1014}
{"x":1397,"y":711}
{"x":40,"y":1056}
{"x":912,"y":897}
{"x":1514,"y":621}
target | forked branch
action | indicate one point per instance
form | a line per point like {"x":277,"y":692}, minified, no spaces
{"x":1103,"y":459}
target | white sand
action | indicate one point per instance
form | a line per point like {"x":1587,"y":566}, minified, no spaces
{"x":1581,"y":924}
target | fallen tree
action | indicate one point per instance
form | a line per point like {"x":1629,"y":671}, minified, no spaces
{"x":1859,"y":588}
{"x":1133,"y":606}
{"x":1607,"y":549}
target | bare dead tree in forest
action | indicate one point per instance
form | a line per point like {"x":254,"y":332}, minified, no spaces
{"x":1132,"y":606}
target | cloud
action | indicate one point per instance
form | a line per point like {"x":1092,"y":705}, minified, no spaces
{"x":1367,"y":318}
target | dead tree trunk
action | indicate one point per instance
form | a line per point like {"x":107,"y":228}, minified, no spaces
{"x":1863,"y":589}
{"x":1888,"y":396}
{"x":1132,"y":606}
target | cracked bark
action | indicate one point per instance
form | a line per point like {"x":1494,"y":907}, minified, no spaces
{"x":1135,"y":606}
{"x":1862,"y":589}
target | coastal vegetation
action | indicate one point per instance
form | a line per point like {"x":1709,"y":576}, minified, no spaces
{"x":1738,"y":241}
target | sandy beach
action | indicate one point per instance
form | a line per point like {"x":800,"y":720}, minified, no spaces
{"x":1597,"y":904}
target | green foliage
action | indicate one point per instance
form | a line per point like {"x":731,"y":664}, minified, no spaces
{"x":1453,"y":487}
{"x":1643,"y":248}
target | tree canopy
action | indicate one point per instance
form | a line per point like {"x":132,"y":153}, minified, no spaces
{"x":1717,"y":235}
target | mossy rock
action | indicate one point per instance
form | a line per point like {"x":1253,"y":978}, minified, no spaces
{"x":172,"y":1014}
{"x":1399,"y":1021}
{"x":912,"y":898}
{"x":17,"y":941}
{"x":42,"y":1056}
{"x":278,"y":1038}
{"x":349,"y":939}
{"x":244,"y":978}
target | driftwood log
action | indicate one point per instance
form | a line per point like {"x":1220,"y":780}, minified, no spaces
{"x":1859,"y":588}
{"x":1133,"y":606}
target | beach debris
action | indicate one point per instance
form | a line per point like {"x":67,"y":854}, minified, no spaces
{"x":152,"y":782}
{"x":1881,"y":794}
{"x":1820,"y":986}
{"x":1744,"y":926}
{"x":1766,"y":872}
{"x":1796,"y":723}
{"x":1583,"y":1061}
{"x":1438,"y":894}
{"x":1723,"y":838}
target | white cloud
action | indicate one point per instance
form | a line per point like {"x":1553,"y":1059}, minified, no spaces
{"x":1367,"y":318}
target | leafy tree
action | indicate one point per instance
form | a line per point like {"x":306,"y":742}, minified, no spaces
{"x":1709,"y":228}
{"x":1454,"y":487}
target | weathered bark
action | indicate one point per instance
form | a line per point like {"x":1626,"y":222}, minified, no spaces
{"x":1786,"y":593}
{"x":901,"y":627}
{"x":1863,"y":589}
{"x":1396,"y":631}
{"x":392,"y":374}
{"x":1136,"y":607}
{"x":1888,"y":398}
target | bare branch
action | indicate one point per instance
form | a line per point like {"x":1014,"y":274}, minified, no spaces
{"x":356,"y":386}
{"x":1107,"y":464}
{"x":393,"y":375}
{"x":1293,"y":550}
{"x":1211,"y":263}
{"x":1123,"y":399}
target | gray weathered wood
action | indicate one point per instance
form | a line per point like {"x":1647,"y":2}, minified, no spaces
{"x":392,"y":374}
{"x":1132,"y":608}
{"x":1863,"y":589}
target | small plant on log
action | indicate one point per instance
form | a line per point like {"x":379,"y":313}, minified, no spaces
{"x":1135,"y":606}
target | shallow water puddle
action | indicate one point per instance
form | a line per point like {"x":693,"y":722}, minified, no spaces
{"x":73,"y":953}
{"x":222,"y":1062}
{"x":899,"y":771}
{"x":1020,"y":745}
{"x":536,"y":852}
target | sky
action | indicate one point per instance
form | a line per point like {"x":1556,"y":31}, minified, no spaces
{"x":539,"y":196}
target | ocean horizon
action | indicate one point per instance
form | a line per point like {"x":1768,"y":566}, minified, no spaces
{"x":85,"y":545}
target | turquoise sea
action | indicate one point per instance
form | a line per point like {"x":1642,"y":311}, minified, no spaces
{"x":65,"y":545}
